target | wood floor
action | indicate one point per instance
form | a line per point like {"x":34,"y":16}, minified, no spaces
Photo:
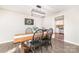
{"x":58,"y":47}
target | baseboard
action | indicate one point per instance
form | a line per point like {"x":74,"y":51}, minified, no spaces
{"x":11,"y":51}
{"x":71,"y":42}
{"x":5,"y":42}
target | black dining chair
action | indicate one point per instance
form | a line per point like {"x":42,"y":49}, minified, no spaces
{"x":36,"y":41}
{"x":46,"y":41}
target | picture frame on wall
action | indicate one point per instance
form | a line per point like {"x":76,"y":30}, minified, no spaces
{"x":29,"y":21}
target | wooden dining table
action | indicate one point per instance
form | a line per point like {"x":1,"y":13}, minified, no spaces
{"x":19,"y":38}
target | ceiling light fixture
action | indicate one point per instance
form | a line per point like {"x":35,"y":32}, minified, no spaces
{"x":37,"y":12}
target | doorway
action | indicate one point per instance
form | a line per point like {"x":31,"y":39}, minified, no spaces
{"x":59,"y":28}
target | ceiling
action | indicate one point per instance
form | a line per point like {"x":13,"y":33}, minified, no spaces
{"x":27,"y":8}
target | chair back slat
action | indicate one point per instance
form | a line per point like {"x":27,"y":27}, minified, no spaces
{"x":38,"y":34}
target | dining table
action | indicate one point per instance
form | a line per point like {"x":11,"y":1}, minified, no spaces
{"x":19,"y":38}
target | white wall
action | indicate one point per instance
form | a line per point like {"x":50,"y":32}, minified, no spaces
{"x":71,"y":27}
{"x":71,"y":22}
{"x":11,"y":23}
